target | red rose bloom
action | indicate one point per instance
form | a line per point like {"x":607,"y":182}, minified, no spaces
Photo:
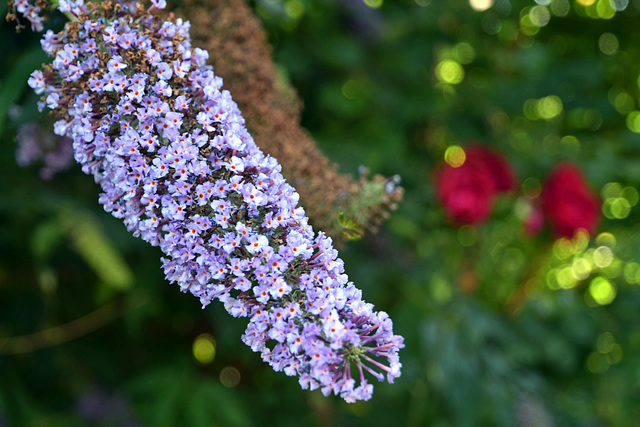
{"x":496,"y":165}
{"x":568,"y":203}
{"x":467,"y":191}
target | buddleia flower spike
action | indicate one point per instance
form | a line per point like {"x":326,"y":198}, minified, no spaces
{"x":150,"y":121}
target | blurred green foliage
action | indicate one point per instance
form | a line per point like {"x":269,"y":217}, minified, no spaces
{"x":501,"y":328}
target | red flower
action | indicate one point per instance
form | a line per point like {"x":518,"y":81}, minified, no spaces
{"x":568,"y":203}
{"x":467,"y":191}
{"x":497,"y":166}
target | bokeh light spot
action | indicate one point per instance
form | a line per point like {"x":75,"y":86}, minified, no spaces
{"x":605,"y":9}
{"x":449,"y":71}
{"x":607,"y":345}
{"x":539,"y":16}
{"x":204,"y":348}
{"x":549,"y":107}
{"x":544,"y":108}
{"x":606,"y":239}
{"x":608,"y":44}
{"x":294,"y":8}
{"x":611,"y":190}
{"x":375,"y":4}
{"x":562,"y":248}
{"x":463,"y":52}
{"x":615,"y":355}
{"x":566,"y":279}
{"x":230,"y":377}
{"x":605,"y":342}
{"x":631,"y":195}
{"x":455,"y":156}
{"x":613,"y":270}
{"x":527,"y":27}
{"x":480,"y":5}
{"x":531,"y":188}
{"x":581,"y":268}
{"x":632,"y":272}
{"x":624,"y":103}
{"x":620,"y":208}
{"x":570,"y":141}
{"x":584,"y":118}
{"x":351,"y":89}
{"x":602,"y":256}
{"x":491,"y":23}
{"x":619,"y":5}
{"x":633,"y":121}
{"x":440,"y":290}
{"x":586,"y":2}
{"x":552,"y":281}
{"x":580,"y":241}
{"x":602,"y":291}
{"x":606,"y":209}
{"x":560,"y":7}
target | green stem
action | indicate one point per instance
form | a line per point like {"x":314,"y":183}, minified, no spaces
{"x":56,"y":3}
{"x":61,"y":333}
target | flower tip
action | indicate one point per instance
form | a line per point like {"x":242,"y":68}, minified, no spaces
{"x":158,"y":4}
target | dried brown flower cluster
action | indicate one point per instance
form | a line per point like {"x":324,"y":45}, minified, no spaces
{"x":240,"y":54}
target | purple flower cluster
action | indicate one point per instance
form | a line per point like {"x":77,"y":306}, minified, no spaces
{"x":34,"y":145}
{"x":30,"y":11}
{"x":170,"y":150}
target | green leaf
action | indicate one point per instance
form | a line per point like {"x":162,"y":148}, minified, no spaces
{"x":46,"y":236}
{"x":14,"y":84}
{"x":98,"y":250}
{"x":352,"y":230}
